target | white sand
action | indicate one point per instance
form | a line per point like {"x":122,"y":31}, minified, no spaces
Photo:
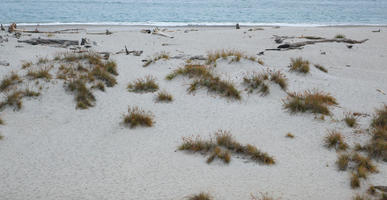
{"x":51,"y":150}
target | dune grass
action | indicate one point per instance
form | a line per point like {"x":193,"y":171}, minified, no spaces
{"x":235,"y":55}
{"x":15,"y":98}
{"x":216,"y":85}
{"x":280,"y":79}
{"x":299,"y":65}
{"x":342,"y":161}
{"x":259,"y":81}
{"x":83,"y":95}
{"x":42,"y":73}
{"x":142,"y":85}
{"x":138,"y":117}
{"x":9,"y":80}
{"x":200,"y":196}
{"x":316,"y":102}
{"x":164,"y":96}
{"x":154,"y":59}
{"x":380,"y":118}
{"x":350,"y":120}
{"x":335,"y":140}
{"x":191,"y":71}
{"x":222,"y":147}
{"x":339,"y":36}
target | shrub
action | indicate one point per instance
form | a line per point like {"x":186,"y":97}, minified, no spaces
{"x":321,"y":68}
{"x":312,"y":101}
{"x":164,"y":96}
{"x":147,"y":84}
{"x":201,"y":196}
{"x":299,"y":65}
{"x":138,"y":117}
{"x":335,"y":140}
{"x":9,"y":81}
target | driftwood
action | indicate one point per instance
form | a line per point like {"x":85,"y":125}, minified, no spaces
{"x":381,"y":188}
{"x":4,"y":63}
{"x":12,"y":28}
{"x":107,"y":32}
{"x":56,"y":42}
{"x":301,"y":44}
{"x":2,"y":27}
{"x":65,"y":31}
{"x":127,"y":52}
{"x":156,"y":31}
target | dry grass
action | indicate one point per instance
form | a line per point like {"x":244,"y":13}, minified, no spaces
{"x":335,"y":140}
{"x":212,"y":57}
{"x":164,"y":96}
{"x":289,"y":135}
{"x":342,"y":162}
{"x":200,"y":196}
{"x":216,"y":85}
{"x":377,"y":146}
{"x":14,"y":98}
{"x":355,"y":181}
{"x":147,"y":84}
{"x":223,"y":146}
{"x":191,"y":71}
{"x":350,"y":120}
{"x":9,"y":81}
{"x":364,"y":162}
{"x":42,"y":73}
{"x":42,"y":61}
{"x":309,"y":101}
{"x":159,"y":56}
{"x":280,"y":79}
{"x":339,"y":36}
{"x":83,"y":95}
{"x":26,"y":65}
{"x":256,"y":81}
{"x":380,"y":119}
{"x":263,"y":196}
{"x":321,"y":68}
{"x":138,"y":117}
{"x":299,"y":65}
{"x":1,"y":121}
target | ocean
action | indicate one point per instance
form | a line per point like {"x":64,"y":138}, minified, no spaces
{"x":195,"y":12}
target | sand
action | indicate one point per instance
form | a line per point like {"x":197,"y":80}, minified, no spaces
{"x":51,"y":150}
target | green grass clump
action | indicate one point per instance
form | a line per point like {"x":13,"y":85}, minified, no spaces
{"x":335,"y":140}
{"x":9,"y":81}
{"x":309,"y":101}
{"x":147,"y":84}
{"x":321,"y":68}
{"x":164,"y":96}
{"x":138,"y":117}
{"x":223,"y":146}
{"x":340,"y":36}
{"x":299,"y":65}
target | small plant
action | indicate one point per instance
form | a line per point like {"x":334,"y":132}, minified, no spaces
{"x":157,"y":57}
{"x":99,"y":85}
{"x":256,"y":81}
{"x":43,"y":73}
{"x":350,"y":120}
{"x":299,"y":65}
{"x":216,"y":85}
{"x":83,"y":96}
{"x":223,"y":146}
{"x":355,"y":181}
{"x":364,"y":162}
{"x":289,"y":135}
{"x":380,"y":119}
{"x":9,"y":81}
{"x":342,"y":161}
{"x":309,"y":101}
{"x":200,"y":196}
{"x":212,"y":57}
{"x":147,"y":84}
{"x":192,"y":71}
{"x":335,"y":140}
{"x":26,"y":65}
{"x":278,"y":78}
{"x":377,"y":146}
{"x":14,"y":98}
{"x":340,"y":36}
{"x":138,"y":117}
{"x":164,"y":96}
{"x":321,"y":68}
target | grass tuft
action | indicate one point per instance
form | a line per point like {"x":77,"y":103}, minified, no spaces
{"x":216,"y":85}
{"x":9,"y":81}
{"x":335,"y":140}
{"x":342,"y":161}
{"x":380,"y":119}
{"x":350,"y":120}
{"x":280,"y":79}
{"x":83,"y":95}
{"x":200,"y":196}
{"x":43,"y":73}
{"x":299,"y":65}
{"x":339,"y":36}
{"x":147,"y":84}
{"x":309,"y":101}
{"x":289,"y":135}
{"x":159,"y":56}
{"x":164,"y":96}
{"x":192,"y":71}
{"x":138,"y":117}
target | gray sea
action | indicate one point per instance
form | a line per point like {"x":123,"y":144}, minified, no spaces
{"x":195,"y":12}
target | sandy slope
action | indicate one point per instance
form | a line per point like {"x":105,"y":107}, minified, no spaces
{"x":51,"y":150}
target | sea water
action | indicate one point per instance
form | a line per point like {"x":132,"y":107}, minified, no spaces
{"x":195,"y":12}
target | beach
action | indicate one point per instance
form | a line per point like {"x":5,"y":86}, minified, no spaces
{"x":53,"y":150}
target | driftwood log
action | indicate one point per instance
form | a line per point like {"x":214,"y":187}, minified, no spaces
{"x":56,"y":42}
{"x":301,"y":44}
